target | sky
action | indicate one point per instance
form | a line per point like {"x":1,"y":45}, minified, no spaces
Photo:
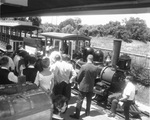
{"x":96,"y":19}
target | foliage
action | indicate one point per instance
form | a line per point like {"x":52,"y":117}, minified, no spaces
{"x":48,"y":27}
{"x":134,"y":28}
{"x":70,"y":22}
{"x":141,"y":74}
{"x":35,"y":20}
{"x":67,"y":29}
{"x":137,"y":27}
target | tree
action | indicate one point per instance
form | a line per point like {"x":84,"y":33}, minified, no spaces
{"x":67,"y":22}
{"x":122,"y":33}
{"x":137,"y":27}
{"x":35,"y":20}
{"x":48,"y":27}
{"x":67,"y":29}
{"x":111,"y":27}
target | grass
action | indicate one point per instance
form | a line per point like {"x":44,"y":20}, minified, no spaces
{"x":136,"y":47}
{"x":143,"y":95}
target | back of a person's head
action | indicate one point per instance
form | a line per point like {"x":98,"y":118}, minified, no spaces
{"x":4,"y":61}
{"x":32,"y":60}
{"x":45,"y":62}
{"x":23,"y":53}
{"x":58,"y":102}
{"x":90,"y":57}
{"x":8,"y":47}
{"x":65,"y":57}
{"x":57,"y":57}
{"x":130,"y":78}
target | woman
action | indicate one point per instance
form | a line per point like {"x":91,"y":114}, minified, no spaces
{"x":45,"y":78}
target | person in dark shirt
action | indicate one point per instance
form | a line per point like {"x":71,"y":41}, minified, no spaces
{"x":6,"y":76}
{"x":30,"y":72}
{"x":86,"y":80}
{"x":9,"y":51}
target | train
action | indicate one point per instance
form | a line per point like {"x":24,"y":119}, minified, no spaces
{"x":110,"y":79}
{"x":77,"y":46}
{"x":111,"y":76}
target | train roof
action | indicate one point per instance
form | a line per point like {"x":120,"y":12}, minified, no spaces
{"x":20,"y":25}
{"x":12,"y":8}
{"x":65,"y":36}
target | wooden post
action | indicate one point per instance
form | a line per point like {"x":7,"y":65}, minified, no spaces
{"x":44,"y":50}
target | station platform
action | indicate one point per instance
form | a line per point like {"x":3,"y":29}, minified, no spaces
{"x":97,"y":112}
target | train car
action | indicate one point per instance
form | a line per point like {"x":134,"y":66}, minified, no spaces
{"x":66,"y":43}
{"x":18,"y":33}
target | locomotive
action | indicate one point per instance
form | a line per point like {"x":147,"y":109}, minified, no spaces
{"x":111,"y":77}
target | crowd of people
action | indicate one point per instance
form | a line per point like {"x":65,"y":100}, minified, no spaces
{"x":55,"y":74}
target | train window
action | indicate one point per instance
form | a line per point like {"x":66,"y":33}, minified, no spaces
{"x":57,"y":44}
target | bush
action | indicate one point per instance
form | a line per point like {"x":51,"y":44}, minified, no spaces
{"x":141,"y":74}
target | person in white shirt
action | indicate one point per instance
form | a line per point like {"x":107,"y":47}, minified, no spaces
{"x":45,"y":78}
{"x":6,"y":76}
{"x":64,"y":76}
{"x":127,"y":98}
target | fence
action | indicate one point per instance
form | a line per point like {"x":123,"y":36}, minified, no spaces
{"x":143,"y":60}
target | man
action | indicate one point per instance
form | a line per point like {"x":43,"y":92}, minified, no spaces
{"x":30,"y":72}
{"x":86,"y":79}
{"x":6,"y":77}
{"x":9,"y":51}
{"x":126,"y":99}
{"x":64,"y":76}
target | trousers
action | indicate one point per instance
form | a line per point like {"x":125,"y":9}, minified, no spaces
{"x":114,"y":102}
{"x":63,"y":88}
{"x":81,"y":97}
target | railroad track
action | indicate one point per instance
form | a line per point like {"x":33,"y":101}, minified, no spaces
{"x":119,"y":113}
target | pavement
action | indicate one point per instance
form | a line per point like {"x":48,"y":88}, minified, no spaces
{"x":97,"y":112}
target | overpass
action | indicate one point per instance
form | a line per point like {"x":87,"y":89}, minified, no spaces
{"x":18,"y":8}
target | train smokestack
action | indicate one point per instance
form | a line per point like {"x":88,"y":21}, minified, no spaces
{"x":116,"y":52}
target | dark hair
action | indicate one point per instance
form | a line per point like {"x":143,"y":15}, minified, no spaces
{"x":4,"y":61}
{"x":45,"y":62}
{"x":129,"y":78}
{"x":65,"y":57}
{"x":8,"y":47}
{"x":58,"y":102}
{"x":32,"y":60}
{"x":23,"y":53}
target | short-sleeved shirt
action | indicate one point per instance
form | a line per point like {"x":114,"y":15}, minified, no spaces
{"x":44,"y":82}
{"x":63,"y":71}
{"x":129,"y":91}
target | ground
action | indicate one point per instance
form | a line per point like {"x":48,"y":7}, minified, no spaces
{"x":97,"y":112}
